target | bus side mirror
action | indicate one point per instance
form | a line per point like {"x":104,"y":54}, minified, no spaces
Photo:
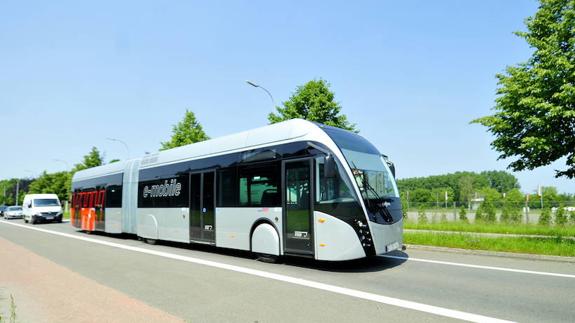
{"x":391,"y":166}
{"x":330,"y":167}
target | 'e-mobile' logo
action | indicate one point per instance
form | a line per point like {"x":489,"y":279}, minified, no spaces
{"x":168,"y":189}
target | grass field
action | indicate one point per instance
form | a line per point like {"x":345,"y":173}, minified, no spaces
{"x":542,"y":246}
{"x":532,"y":229}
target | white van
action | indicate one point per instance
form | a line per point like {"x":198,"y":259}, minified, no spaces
{"x":42,"y":207}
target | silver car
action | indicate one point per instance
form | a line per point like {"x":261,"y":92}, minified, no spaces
{"x":13,"y":212}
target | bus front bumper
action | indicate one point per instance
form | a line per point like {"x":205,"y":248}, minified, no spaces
{"x":387,"y":237}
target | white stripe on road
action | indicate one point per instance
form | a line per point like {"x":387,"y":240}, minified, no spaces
{"x":542,"y":273}
{"x":288,"y":279}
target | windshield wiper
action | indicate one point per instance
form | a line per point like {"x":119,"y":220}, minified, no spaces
{"x":380,"y":206}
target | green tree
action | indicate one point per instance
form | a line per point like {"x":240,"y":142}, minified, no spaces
{"x":560,"y":216}
{"x":313,"y":101}
{"x":421,"y":216}
{"x":500,"y":180}
{"x":56,"y":183}
{"x":512,"y":206}
{"x":463,"y":214}
{"x":465,"y":189}
{"x":545,"y":217}
{"x":187,"y":131}
{"x":421,"y":196}
{"x":93,"y":159}
{"x":534,"y":117}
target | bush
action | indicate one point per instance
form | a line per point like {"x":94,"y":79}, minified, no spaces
{"x":560,"y":216}
{"x":421,"y":217}
{"x":510,"y":214}
{"x":572,"y":217}
{"x":505,"y":214}
{"x":486,"y":212}
{"x":463,"y":214}
{"x":443,"y":217}
{"x":545,"y":217}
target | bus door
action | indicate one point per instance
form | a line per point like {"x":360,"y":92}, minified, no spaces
{"x":202,"y":207}
{"x":297,"y":206}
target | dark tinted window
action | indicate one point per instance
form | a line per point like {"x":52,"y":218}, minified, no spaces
{"x":167,"y":192}
{"x":348,"y":140}
{"x":113,"y":196}
{"x":227,"y":186}
{"x":259,"y":185}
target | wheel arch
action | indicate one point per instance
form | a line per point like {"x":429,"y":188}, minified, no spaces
{"x":265,"y":221}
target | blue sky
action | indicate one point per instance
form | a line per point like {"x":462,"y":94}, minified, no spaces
{"x":411,"y":74}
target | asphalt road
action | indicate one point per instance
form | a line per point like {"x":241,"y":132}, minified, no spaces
{"x":199,"y":283}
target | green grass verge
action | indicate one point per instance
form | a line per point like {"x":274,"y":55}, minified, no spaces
{"x":66,"y":215}
{"x":541,"y":246}
{"x":533,"y":229}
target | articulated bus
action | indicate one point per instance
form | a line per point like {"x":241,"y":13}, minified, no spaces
{"x":293,"y":188}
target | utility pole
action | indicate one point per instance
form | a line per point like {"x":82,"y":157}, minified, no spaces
{"x":17,"y":189}
{"x":407,"y":200}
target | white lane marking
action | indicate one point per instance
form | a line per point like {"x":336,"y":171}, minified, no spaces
{"x":288,"y":279}
{"x":542,"y":273}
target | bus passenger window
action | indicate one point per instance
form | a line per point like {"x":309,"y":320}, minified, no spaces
{"x":330,"y":189}
{"x":259,"y":185}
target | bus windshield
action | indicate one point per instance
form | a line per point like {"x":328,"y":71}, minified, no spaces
{"x":371,"y":174}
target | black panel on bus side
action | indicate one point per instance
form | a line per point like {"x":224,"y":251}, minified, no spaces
{"x":163,"y":175}
{"x":112,"y":184}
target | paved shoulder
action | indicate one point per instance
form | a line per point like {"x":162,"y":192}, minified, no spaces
{"x":46,"y":292}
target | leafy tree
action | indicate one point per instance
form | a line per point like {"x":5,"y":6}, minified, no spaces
{"x":421,"y":196}
{"x":512,"y":207}
{"x":500,"y":180}
{"x":550,"y":198}
{"x":487,"y":211}
{"x":534,"y":118}
{"x":491,"y":195}
{"x":187,"y":131}
{"x":463,"y":214}
{"x":313,"y":101}
{"x":560,"y":216}
{"x":93,"y":159}
{"x":545,"y":217}
{"x":465,"y":189}
{"x":56,"y":183}
{"x":421,"y":216}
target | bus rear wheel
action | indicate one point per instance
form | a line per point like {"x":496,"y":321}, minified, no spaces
{"x":270,"y":259}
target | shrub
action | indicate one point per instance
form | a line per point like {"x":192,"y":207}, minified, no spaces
{"x":560,"y":216}
{"x":505,"y":214}
{"x":421,"y":217}
{"x":443,"y":217}
{"x":545,"y":217}
{"x":486,"y":212}
{"x":463,"y":214}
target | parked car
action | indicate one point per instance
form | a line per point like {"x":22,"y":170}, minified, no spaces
{"x":42,"y":208}
{"x":2,"y":209}
{"x":13,"y":212}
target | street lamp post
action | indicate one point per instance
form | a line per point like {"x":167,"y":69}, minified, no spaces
{"x":263,"y":88}
{"x":122,"y":142}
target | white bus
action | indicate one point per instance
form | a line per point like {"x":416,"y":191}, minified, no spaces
{"x":291,"y":188}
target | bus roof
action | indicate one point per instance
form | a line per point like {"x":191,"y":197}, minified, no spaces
{"x":281,"y":132}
